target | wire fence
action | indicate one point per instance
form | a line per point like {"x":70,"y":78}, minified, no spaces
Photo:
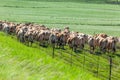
{"x":104,"y":67}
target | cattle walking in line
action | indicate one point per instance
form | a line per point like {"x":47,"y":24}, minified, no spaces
{"x":92,"y":43}
{"x":28,"y":33}
{"x":111,"y":45}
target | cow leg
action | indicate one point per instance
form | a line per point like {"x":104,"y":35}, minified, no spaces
{"x":93,"y":48}
{"x":30,"y":43}
{"x":63,"y":47}
{"x":82,"y":46}
{"x":90,"y":48}
{"x":104,"y":49}
{"x":114,"y":49}
{"x":39,"y":43}
{"x":59,"y":45}
{"x":74,"y":48}
{"x":17,"y":38}
{"x":27,"y":43}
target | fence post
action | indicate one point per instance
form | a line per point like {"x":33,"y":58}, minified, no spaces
{"x":71,"y":58}
{"x":60,"y":52}
{"x":98,"y":59}
{"x":84,"y":61}
{"x":53,"y":51}
{"x":110,"y":65}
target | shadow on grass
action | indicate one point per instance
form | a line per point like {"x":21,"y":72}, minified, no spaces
{"x":85,"y":1}
{"x":117,"y":55}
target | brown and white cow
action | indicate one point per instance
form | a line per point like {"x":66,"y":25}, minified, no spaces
{"x":111,"y":44}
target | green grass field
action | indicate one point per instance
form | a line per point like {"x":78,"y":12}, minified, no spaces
{"x":83,"y":17}
{"x":18,"y":62}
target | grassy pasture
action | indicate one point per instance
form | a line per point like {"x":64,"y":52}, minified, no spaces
{"x":83,"y":17}
{"x":19,"y":62}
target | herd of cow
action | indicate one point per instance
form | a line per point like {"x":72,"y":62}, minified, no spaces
{"x":28,"y":33}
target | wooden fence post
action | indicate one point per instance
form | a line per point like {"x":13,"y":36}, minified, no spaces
{"x":98,"y":59}
{"x":61,"y":53}
{"x":53,"y":51}
{"x":71,"y":58}
{"x":110,"y":65}
{"x":84,"y":61}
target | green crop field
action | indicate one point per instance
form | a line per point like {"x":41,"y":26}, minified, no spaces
{"x":19,"y":62}
{"x":82,"y":17}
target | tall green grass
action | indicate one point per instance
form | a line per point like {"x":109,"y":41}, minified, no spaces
{"x":19,"y":62}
